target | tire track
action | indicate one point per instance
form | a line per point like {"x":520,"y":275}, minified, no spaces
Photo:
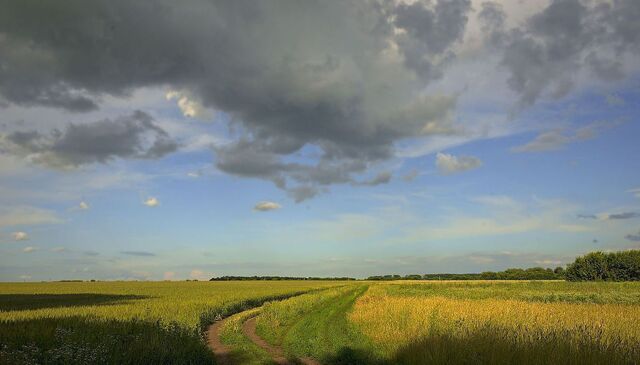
{"x":276,"y":352}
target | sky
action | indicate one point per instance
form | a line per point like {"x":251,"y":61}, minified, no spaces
{"x":183,"y":140}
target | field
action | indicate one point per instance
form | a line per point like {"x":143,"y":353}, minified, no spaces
{"x":123,"y":322}
{"x":400,"y":322}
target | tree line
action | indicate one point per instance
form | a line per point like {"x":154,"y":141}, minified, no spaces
{"x":594,"y":266}
{"x":246,"y":278}
{"x":534,"y":273}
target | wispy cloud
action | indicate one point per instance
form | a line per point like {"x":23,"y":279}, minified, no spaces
{"x":26,"y":215}
{"x":266,"y":206}
{"x":635,"y":237}
{"x":558,"y":138}
{"x":449,"y":164}
{"x":138,"y":253}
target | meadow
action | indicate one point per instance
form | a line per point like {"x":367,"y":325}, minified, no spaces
{"x":362,"y":322}
{"x":124,"y":322}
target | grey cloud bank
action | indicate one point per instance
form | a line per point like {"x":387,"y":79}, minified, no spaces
{"x":347,"y":77}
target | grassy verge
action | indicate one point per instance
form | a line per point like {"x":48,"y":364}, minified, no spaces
{"x":244,"y":351}
{"x":316,"y":326}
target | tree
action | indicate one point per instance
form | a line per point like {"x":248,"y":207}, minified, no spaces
{"x":599,"y":266}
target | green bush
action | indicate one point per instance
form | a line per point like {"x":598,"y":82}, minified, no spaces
{"x":601,"y":266}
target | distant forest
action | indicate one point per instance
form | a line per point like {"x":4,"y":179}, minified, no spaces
{"x":244,"y":278}
{"x":534,"y":273}
{"x":594,"y":266}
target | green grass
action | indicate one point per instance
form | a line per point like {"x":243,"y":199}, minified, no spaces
{"x":124,"y":322}
{"x":244,"y":351}
{"x":315,"y":325}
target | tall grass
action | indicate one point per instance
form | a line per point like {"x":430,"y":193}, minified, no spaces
{"x":439,"y":325}
{"x":124,"y":322}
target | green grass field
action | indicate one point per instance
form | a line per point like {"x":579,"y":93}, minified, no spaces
{"x":470,"y":322}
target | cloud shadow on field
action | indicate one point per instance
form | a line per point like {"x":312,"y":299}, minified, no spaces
{"x":89,"y":340}
{"x":491,"y":346}
{"x":16,"y":302}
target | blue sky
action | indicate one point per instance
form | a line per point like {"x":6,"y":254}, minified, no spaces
{"x":462,"y":161}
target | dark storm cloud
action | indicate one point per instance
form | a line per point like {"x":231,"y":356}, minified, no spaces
{"x":568,"y":37}
{"x":289,"y":73}
{"x":131,"y":136}
{"x":430,"y":32}
{"x":346,"y":77}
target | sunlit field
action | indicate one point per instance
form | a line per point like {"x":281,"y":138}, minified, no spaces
{"x":123,"y":322}
{"x":507,"y":323}
{"x":400,"y":322}
{"x":460,"y":322}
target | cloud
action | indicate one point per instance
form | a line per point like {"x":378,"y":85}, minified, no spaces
{"x":20,"y":236}
{"x":614,"y":100}
{"x":265,"y":206}
{"x":131,"y":136}
{"x":24,"y":277}
{"x":83,"y":205}
{"x":610,"y":216}
{"x":502,"y":216}
{"x":558,"y":138}
{"x":351,"y":93}
{"x":635,"y":192}
{"x":350,"y":82}
{"x":633,"y":237}
{"x":26,"y":215}
{"x":29,"y":249}
{"x":548,"y":262}
{"x":411,"y":175}
{"x":189,"y":107}
{"x":169,"y":275}
{"x":199,"y":275}
{"x":587,"y":216}
{"x":382,"y":178}
{"x":138,"y":253}
{"x":625,"y":215}
{"x":58,"y":249}
{"x":151,"y":202}
{"x":596,"y":39}
{"x":449,"y":164}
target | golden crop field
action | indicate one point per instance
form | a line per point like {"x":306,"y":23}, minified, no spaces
{"x":400,"y":322}
{"x":143,"y":320}
{"x":494,"y":322}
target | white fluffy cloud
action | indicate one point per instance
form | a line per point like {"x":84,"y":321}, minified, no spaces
{"x":151,"y":202}
{"x":20,"y":236}
{"x":189,"y":106}
{"x":83,"y":205}
{"x":29,"y":249}
{"x":449,"y":164}
{"x":265,"y":206}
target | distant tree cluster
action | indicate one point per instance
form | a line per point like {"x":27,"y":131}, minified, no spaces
{"x":534,"y":273}
{"x":245,"y":278}
{"x":601,"y":266}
